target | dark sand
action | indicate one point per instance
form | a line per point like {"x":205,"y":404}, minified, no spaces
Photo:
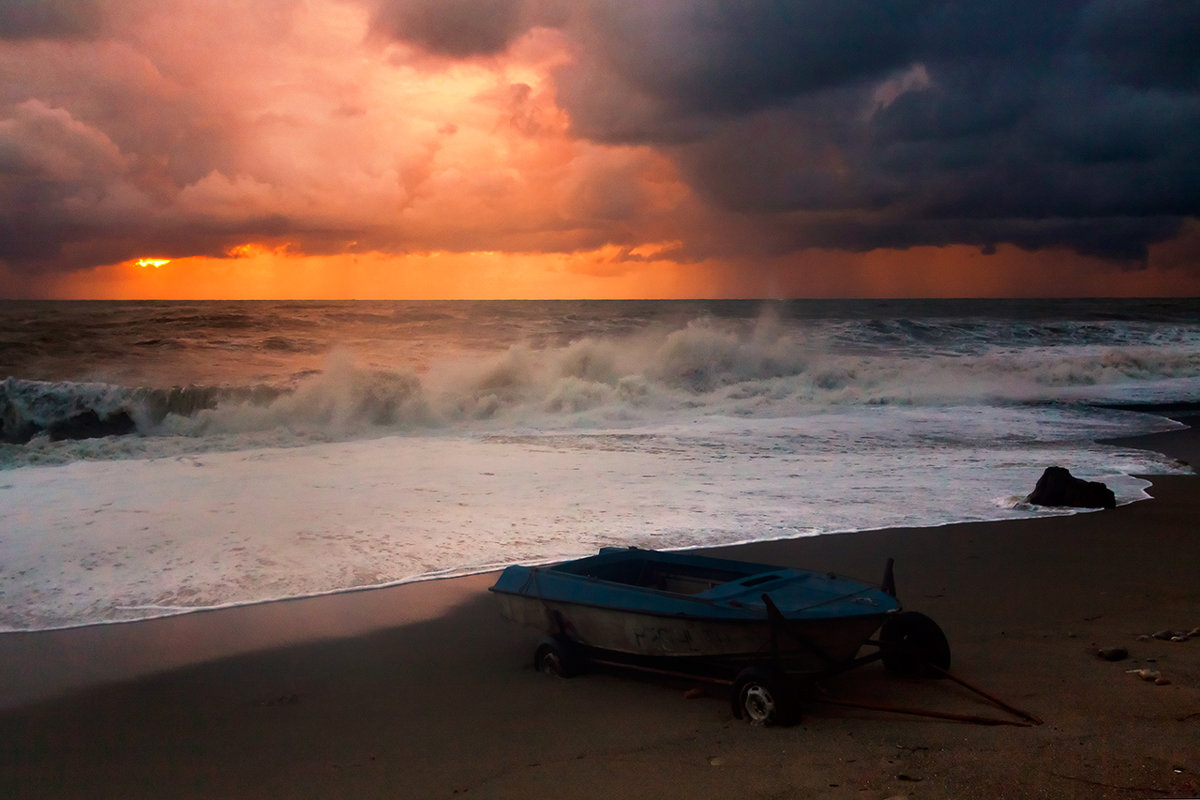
{"x":423,"y":691}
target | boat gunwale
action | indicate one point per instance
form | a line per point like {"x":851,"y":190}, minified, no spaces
{"x":703,"y":598}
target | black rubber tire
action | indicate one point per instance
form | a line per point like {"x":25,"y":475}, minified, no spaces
{"x":910,"y":643}
{"x":761,"y":696}
{"x":557,"y":656}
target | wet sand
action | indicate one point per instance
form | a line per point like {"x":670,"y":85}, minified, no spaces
{"x":423,"y":691}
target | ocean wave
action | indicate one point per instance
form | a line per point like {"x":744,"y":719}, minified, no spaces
{"x":708,"y":366}
{"x":966,"y":337}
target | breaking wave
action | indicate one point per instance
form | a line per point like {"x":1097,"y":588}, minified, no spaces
{"x":708,"y":366}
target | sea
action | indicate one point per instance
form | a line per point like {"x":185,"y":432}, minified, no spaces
{"x":159,"y":458}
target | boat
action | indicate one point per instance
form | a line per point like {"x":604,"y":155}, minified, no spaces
{"x":755,"y":626}
{"x":683,"y":606}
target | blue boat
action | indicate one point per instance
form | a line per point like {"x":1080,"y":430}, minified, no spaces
{"x":691,"y":614}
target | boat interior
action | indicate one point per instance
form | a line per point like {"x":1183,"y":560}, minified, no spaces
{"x":665,"y":576}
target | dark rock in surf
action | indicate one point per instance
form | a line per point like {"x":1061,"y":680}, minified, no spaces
{"x":1058,"y":487}
{"x":15,"y":429}
{"x":90,"y":425}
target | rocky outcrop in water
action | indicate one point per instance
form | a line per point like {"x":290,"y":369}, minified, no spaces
{"x":1058,"y":487}
{"x":61,"y":410}
{"x":68,"y":410}
{"x":90,"y":425}
{"x":84,"y":425}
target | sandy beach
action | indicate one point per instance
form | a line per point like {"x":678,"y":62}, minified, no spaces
{"x":423,"y":691}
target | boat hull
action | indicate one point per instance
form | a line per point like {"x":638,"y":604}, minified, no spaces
{"x":678,"y":607}
{"x":810,"y":645}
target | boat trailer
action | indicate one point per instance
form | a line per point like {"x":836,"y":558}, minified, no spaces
{"x":764,"y":692}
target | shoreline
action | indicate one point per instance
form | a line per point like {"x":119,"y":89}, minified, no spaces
{"x":422,"y":690}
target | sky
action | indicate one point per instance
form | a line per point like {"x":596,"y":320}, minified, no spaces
{"x":598,"y":148}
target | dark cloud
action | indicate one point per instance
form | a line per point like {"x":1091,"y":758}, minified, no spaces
{"x":463,"y":28}
{"x":1148,"y":45}
{"x":715,"y":58}
{"x":48,"y":19}
{"x":1063,"y":124}
{"x":454,"y":27}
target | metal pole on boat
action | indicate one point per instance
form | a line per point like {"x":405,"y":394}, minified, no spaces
{"x":774,"y":617}
{"x":888,"y":586}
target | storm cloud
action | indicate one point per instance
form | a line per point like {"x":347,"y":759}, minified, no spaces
{"x":35,"y":19}
{"x":465,"y":28}
{"x":187,"y":127}
{"x":1072,"y":124}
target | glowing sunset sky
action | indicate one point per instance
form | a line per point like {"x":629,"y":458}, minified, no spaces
{"x":598,"y":148}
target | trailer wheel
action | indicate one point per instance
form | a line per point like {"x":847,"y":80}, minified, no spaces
{"x":763,"y":697}
{"x":911,"y":643}
{"x":556,"y":656}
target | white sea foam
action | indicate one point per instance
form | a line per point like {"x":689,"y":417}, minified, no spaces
{"x":122,"y":540}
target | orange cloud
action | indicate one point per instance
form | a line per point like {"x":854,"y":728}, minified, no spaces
{"x":199,"y":125}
